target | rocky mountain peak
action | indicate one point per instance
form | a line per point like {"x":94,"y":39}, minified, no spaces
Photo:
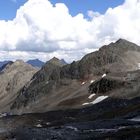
{"x":19,"y":62}
{"x":120,"y":46}
{"x":121,"y":40}
{"x":17,"y":66}
{"x":55,"y":61}
{"x":124,"y":42}
{"x":124,"y":45}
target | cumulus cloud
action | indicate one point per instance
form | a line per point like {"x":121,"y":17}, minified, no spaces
{"x":43,"y":30}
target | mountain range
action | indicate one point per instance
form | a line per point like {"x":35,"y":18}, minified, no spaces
{"x":70,"y":83}
{"x":3,"y":63}
{"x":96,"y":97}
{"x":39,"y":64}
{"x":34,"y":62}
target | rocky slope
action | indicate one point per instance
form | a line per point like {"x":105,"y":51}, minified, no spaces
{"x":13,"y":76}
{"x":58,"y":87}
{"x":113,"y":119}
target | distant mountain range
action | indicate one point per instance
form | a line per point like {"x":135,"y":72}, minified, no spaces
{"x":3,"y":63}
{"x":36,"y":63}
{"x":39,"y":64}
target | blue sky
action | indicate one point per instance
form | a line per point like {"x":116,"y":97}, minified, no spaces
{"x":77,"y":6}
{"x":8,"y":8}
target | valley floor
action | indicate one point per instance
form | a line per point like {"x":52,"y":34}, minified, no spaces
{"x":112,"y":119}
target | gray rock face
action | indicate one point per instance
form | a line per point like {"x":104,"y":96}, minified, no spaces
{"x":56,"y":86}
{"x":116,"y":57}
{"x":40,"y":85}
{"x":13,"y":77}
{"x":105,"y":85}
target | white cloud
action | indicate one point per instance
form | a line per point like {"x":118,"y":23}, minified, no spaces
{"x":42,"y":28}
{"x":92,"y":14}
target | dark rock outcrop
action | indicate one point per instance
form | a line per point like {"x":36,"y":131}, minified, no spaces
{"x":105,"y":85}
{"x":119,"y":85}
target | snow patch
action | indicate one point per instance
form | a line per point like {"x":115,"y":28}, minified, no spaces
{"x":91,"y":95}
{"x":99,"y":99}
{"x":138,"y":65}
{"x":135,"y":119}
{"x":38,"y":125}
{"x":103,"y":75}
{"x":83,"y":83}
{"x":85,"y":103}
{"x":3,"y":115}
{"x":92,"y":81}
{"x":73,"y":128}
{"x":48,"y":123}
